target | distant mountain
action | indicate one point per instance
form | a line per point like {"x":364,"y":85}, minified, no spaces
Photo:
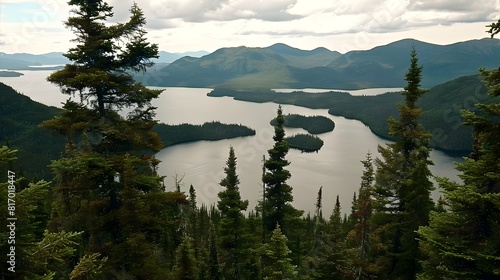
{"x":273,"y":66}
{"x":280,"y":66}
{"x":20,"y":61}
{"x":25,"y":60}
{"x":168,"y":57}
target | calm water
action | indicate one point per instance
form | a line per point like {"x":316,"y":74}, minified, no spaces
{"x":336,"y":166}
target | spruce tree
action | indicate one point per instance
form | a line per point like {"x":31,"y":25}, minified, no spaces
{"x":106,"y":181}
{"x":278,"y":265}
{"x":362,"y":214}
{"x":403,"y":183}
{"x":278,"y":194}
{"x":232,"y":221}
{"x":214,"y":269}
{"x":332,"y":262}
{"x":185,"y":267}
{"x":463,"y":241}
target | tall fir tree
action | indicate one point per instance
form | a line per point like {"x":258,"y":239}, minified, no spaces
{"x":106,"y":182}
{"x":363,"y":210}
{"x":278,"y":265}
{"x":277,"y":207}
{"x":332,"y":262}
{"x":403,"y":183}
{"x":214,"y":268}
{"x":232,"y":223}
{"x":463,"y":241}
{"x":185,"y":267}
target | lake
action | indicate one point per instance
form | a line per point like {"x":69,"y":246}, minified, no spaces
{"x":336,"y":166}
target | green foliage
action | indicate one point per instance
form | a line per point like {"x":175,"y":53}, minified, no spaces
{"x":89,"y":267}
{"x":313,"y":124}
{"x":278,"y":264}
{"x":176,"y":134}
{"x":403,"y":183}
{"x":185,"y":268}
{"x":214,"y":270}
{"x":20,"y":117}
{"x":363,"y":209}
{"x":463,"y":241}
{"x":304,"y":142}
{"x":231,"y":225}
{"x":278,"y":194}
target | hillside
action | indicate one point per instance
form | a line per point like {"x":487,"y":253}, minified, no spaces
{"x":241,"y":67}
{"x":281,"y":66}
{"x":441,"y":108}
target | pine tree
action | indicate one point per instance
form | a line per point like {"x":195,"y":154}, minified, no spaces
{"x":106,"y":177}
{"x":463,"y":242}
{"x":232,"y":221}
{"x":185,"y":268}
{"x":278,"y":265}
{"x":214,"y":269}
{"x":277,"y":207}
{"x":333,"y":258}
{"x":403,"y":183}
{"x":362,"y":214}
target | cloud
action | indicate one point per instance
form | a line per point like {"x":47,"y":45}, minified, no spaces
{"x":224,"y":10}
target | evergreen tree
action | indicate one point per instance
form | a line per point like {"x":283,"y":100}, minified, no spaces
{"x":106,"y":182}
{"x":362,"y":214}
{"x":232,"y":221}
{"x":185,"y":268}
{"x":463,"y":241}
{"x":214,"y":269}
{"x":278,"y":265}
{"x":278,"y":194}
{"x":403,"y":183}
{"x":333,"y":258}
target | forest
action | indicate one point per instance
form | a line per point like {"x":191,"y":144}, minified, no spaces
{"x":105,"y":214}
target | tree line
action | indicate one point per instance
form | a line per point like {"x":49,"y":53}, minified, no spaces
{"x":106,"y":215}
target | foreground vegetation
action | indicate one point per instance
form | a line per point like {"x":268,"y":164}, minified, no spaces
{"x":107,"y":215}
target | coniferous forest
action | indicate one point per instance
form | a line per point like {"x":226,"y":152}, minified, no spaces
{"x":106,"y":213}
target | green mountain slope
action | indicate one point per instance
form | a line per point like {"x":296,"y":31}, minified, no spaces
{"x":281,"y":66}
{"x":240,"y":67}
{"x":20,"y":117}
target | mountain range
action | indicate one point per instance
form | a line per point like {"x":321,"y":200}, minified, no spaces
{"x":25,"y":61}
{"x":282,"y":66}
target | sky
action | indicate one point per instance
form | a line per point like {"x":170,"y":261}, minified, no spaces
{"x":36,"y":26}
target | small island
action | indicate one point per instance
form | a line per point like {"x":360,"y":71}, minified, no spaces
{"x":183,"y":133}
{"x":313,"y":124}
{"x":10,"y":74}
{"x":304,"y":142}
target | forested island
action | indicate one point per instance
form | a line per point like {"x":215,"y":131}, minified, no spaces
{"x":10,"y":74}
{"x":304,"y":142}
{"x":183,"y":133}
{"x":313,"y":124}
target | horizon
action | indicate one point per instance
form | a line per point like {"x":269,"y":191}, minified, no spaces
{"x":277,"y":43}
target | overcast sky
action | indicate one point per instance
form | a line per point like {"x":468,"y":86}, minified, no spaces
{"x":35,"y":26}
